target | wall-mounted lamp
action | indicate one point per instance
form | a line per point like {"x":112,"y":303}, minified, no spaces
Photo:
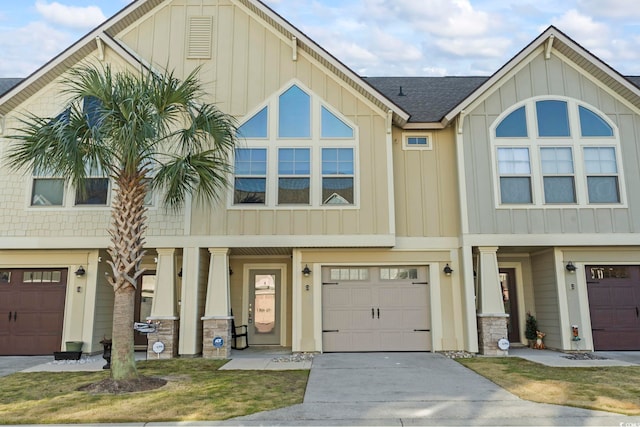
{"x":80,"y":271}
{"x":306,"y":271}
{"x":180,"y":273}
{"x":447,"y":270}
{"x":230,"y":272}
{"x":570,"y":267}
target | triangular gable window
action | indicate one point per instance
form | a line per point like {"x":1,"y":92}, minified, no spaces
{"x":333,"y":127}
{"x":256,"y":126}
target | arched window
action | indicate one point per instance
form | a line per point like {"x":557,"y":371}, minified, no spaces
{"x":556,"y":152}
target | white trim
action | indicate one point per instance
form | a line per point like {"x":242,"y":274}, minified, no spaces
{"x":563,"y":301}
{"x":390,"y":184}
{"x":317,"y":306}
{"x":315,"y":142}
{"x":575,"y":141}
{"x":555,"y":239}
{"x":296,"y":302}
{"x":462,"y":182}
{"x":425,"y":147}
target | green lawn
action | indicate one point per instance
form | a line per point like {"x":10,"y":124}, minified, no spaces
{"x":613,"y":389}
{"x":196,"y":391}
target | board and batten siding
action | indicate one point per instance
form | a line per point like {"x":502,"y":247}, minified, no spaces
{"x":250,"y":63}
{"x":546,"y":297}
{"x":553,"y":77}
{"x":426,"y":187}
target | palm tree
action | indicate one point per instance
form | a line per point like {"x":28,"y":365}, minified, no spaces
{"x":145,"y":131}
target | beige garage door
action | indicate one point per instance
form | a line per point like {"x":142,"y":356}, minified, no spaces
{"x":375,"y":309}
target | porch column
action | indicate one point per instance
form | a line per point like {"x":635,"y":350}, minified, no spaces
{"x":216,"y":320}
{"x":163,"y":310}
{"x":191,"y":301}
{"x":492,"y":320}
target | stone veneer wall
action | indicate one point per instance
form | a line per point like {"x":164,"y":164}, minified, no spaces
{"x":216,"y":327}
{"x":490,"y":329}
{"x":167,"y":332}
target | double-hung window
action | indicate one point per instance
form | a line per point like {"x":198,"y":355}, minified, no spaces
{"x":295,"y":151}
{"x":551,"y":152}
{"x":95,"y":190}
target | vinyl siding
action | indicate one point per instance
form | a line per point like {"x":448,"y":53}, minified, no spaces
{"x":546,"y":298}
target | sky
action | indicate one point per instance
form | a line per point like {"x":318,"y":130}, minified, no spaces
{"x":372,"y":37}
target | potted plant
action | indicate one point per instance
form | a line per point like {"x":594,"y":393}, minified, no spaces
{"x":531,"y":329}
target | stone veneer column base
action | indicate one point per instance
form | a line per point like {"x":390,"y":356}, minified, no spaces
{"x":218,"y":326}
{"x":491,"y":328}
{"x":167,"y":333}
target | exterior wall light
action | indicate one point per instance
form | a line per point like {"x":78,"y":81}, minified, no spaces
{"x":570,"y":267}
{"x":306,"y":271}
{"x":80,"y":271}
{"x":447,"y":270}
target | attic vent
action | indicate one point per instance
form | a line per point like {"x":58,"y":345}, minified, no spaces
{"x":199,"y":37}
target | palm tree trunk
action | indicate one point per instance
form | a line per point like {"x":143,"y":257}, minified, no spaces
{"x":123,"y":366}
{"x":126,"y":250}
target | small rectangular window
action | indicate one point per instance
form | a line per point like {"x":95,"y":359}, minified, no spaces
{"x":514,"y":169}
{"x":5,"y":276}
{"x":250,"y":176}
{"x":416,"y":141}
{"x":398,"y":273}
{"x":47,"y":192}
{"x":349,"y":274}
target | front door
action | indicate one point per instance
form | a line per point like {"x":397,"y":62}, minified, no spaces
{"x":144,"y":301}
{"x":264,"y":307}
{"x":508,"y":286}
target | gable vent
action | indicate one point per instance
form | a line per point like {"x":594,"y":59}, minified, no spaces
{"x":199,"y":37}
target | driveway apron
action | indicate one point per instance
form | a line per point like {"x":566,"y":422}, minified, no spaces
{"x":406,"y":389}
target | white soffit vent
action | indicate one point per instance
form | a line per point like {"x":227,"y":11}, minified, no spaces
{"x":199,"y":37}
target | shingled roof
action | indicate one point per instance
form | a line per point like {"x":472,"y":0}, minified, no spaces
{"x":7,"y":83}
{"x":427,"y":99}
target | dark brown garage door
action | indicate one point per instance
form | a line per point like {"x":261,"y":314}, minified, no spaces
{"x":31,"y":310}
{"x":614,"y":302}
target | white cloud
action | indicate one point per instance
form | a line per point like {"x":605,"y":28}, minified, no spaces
{"x":490,"y":47}
{"x":622,"y":9}
{"x":70,"y":16}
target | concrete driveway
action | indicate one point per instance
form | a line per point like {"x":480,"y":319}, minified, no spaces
{"x":11,"y":364}
{"x":407,"y":389}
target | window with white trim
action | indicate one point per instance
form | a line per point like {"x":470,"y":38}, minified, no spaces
{"x":295,"y":151}
{"x":550,"y":152}
{"x":416,"y":141}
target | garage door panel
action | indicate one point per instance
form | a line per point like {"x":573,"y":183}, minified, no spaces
{"x":375,"y":314}
{"x":614,"y":295}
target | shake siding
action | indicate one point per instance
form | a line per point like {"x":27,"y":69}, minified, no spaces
{"x":551,"y":77}
{"x":546,"y":298}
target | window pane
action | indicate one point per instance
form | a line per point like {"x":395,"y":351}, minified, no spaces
{"x":559,"y":189}
{"x":47,"y":192}
{"x":249,"y":190}
{"x":591,"y":124}
{"x":294,"y":161}
{"x":293,"y":190}
{"x":255,"y":127}
{"x":294,"y":115}
{"x":251,"y":161}
{"x":337,"y":161}
{"x":553,"y":119}
{"x":600,"y":160}
{"x":333,"y":127}
{"x":95,"y":192}
{"x":603,"y":189}
{"x":91,"y":109}
{"x":515,"y":190}
{"x":398,"y":273}
{"x":337,"y":191}
{"x":513,"y":161}
{"x":417,"y":140}
{"x":514,"y":125}
{"x":556,"y":160}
